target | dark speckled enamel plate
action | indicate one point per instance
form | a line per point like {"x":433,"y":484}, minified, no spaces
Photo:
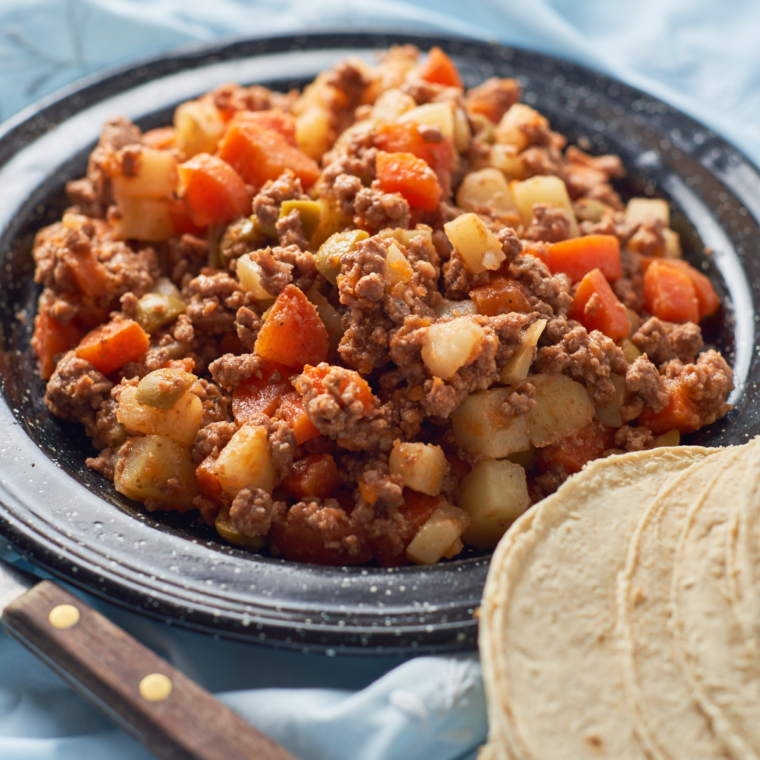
{"x":69,"y":519}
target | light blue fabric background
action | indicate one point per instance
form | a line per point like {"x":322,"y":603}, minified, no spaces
{"x":700,"y":55}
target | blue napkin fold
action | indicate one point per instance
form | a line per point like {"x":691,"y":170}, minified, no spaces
{"x":699,"y":55}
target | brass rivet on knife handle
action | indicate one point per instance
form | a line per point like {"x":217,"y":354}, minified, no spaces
{"x":64,"y":616}
{"x":156,"y":687}
{"x":170,"y":714}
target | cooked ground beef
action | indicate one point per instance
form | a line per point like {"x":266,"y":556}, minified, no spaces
{"x":76,"y":391}
{"x":707,"y":383}
{"x":643,"y":380}
{"x":211,"y":439}
{"x":375,"y":209}
{"x":267,"y":202}
{"x":663,"y":341}
{"x":549,"y":225}
{"x":214,"y":298}
{"x":253,"y":511}
{"x":589,"y":358}
{"x":499,"y":94}
{"x":352,"y":363}
{"x":633,"y":438}
{"x":336,"y":406}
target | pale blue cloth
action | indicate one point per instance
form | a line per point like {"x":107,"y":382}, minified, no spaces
{"x":701,"y":56}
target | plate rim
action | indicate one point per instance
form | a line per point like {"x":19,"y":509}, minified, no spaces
{"x":199,"y":53}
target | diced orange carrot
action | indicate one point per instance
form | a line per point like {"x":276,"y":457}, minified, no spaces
{"x":411,"y":176}
{"x":681,"y":413}
{"x":669,"y":294}
{"x":110,"y":346}
{"x":213,"y":190}
{"x":208,"y":482}
{"x":708,"y":299}
{"x":274,"y":119}
{"x":578,"y":256}
{"x":416,"y":509}
{"x":89,"y":274}
{"x":162,"y":138}
{"x":293,"y":333}
{"x":259,"y":154}
{"x":575,"y":450}
{"x":597,"y":307}
{"x":292,"y":410}
{"x":318,"y":375}
{"x":405,"y":137}
{"x":315,"y":475}
{"x":500,"y":296}
{"x":261,"y":395}
{"x":182,"y":220}
{"x":51,"y":338}
{"x":440,"y":69}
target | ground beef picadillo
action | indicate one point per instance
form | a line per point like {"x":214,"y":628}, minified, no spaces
{"x":325,"y":321}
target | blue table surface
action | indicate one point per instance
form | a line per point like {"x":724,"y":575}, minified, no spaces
{"x":699,"y":55}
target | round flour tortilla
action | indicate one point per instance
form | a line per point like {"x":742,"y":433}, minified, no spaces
{"x":666,"y":714}
{"x":709,"y":638}
{"x":551,"y":657}
{"x":744,"y":557}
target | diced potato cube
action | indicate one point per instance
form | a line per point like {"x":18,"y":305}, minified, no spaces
{"x":477,"y":245}
{"x":397,"y":268}
{"x":480,"y":426}
{"x":421,"y":465}
{"x":146,"y":464}
{"x":672,"y":244}
{"x":391,"y":104}
{"x":462,"y":133}
{"x":181,"y":422}
{"x":142,"y":219}
{"x":156,"y":177}
{"x":640,"y":210}
{"x":611,"y":413}
{"x":163,"y":388}
{"x":505,"y":158}
{"x":517,"y":367}
{"x":446,"y":308}
{"x":486,"y":188}
{"x":550,"y":191}
{"x":245,"y":462}
{"x":562,"y":407}
{"x":313,"y":132}
{"x":516,"y":123}
{"x":199,"y":128}
{"x":249,"y":274}
{"x":450,"y":345}
{"x":406,"y":236}
{"x":163,"y":286}
{"x":494,"y":495}
{"x":439,"y":115}
{"x":437,"y":536}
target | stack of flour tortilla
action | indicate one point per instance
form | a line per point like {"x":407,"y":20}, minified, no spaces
{"x":621,"y":617}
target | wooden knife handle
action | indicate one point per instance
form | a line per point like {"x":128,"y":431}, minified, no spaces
{"x":167,"y":712}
